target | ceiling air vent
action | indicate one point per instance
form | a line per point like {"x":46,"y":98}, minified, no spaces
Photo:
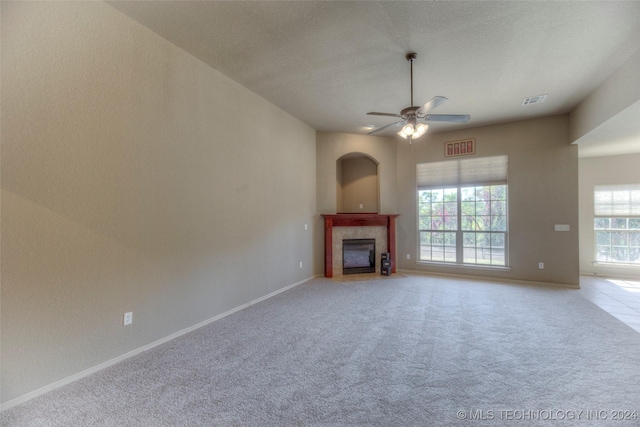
{"x":534,"y":100}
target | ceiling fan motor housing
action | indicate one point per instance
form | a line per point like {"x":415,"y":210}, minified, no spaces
{"x":410,"y":111}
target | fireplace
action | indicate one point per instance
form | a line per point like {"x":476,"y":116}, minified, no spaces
{"x":339,"y":227}
{"x":358,"y":256}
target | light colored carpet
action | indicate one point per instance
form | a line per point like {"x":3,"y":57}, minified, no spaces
{"x":413,"y":351}
{"x":366,"y":277}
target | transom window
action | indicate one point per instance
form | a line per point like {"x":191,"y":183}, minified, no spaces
{"x":617,"y":224}
{"x":466,"y":223}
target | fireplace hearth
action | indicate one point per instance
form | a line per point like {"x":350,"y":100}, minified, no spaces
{"x":358,"y":256}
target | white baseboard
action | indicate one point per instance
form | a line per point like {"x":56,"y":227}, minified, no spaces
{"x":614,"y":276}
{"x":489,"y":279}
{"x":67,"y":380}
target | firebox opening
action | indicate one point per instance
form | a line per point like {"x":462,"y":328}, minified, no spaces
{"x":358,"y":256}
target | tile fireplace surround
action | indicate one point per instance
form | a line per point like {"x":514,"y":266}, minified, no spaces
{"x":357,"y":226}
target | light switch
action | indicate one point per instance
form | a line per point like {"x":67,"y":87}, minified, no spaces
{"x":562,"y":227}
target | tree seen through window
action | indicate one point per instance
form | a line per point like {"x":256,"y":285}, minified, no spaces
{"x":466,"y":224}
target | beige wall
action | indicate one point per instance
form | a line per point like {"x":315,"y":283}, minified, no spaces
{"x":339,"y":195}
{"x":543,"y":191}
{"x":602,"y":171}
{"x":126,"y":186}
{"x":358,"y":185}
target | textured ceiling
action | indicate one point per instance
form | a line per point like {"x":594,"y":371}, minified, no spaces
{"x":328,"y":63}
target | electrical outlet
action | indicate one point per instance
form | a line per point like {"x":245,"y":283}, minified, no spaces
{"x":305,"y":227}
{"x":408,"y":256}
{"x":361,"y":206}
{"x":128,"y":318}
{"x":541,"y":265}
{"x":300,"y":264}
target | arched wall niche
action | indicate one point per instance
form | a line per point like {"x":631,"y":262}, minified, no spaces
{"x":357,"y":184}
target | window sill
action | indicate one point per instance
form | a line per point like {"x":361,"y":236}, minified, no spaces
{"x":465,"y":266}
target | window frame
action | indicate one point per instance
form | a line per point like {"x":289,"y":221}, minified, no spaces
{"x":611,"y":230}
{"x":459,"y":231}
{"x":626,"y":209}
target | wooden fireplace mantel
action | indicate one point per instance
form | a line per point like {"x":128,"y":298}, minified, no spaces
{"x":358,"y":220}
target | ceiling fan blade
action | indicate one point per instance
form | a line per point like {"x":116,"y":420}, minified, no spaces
{"x":374,"y":113}
{"x":431,"y":104}
{"x":384,"y":127}
{"x":458,"y":118}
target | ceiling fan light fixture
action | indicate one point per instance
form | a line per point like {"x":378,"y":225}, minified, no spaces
{"x":421,"y":129}
{"x":413,"y":132}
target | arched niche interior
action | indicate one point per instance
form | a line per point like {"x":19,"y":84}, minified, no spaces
{"x":357,"y":184}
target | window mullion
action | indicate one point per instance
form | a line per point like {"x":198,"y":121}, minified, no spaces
{"x":459,"y":239}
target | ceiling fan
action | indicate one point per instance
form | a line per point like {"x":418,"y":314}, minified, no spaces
{"x":411,"y":127}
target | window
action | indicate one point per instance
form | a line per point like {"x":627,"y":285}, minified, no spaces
{"x":462,"y":211}
{"x":617,"y":223}
{"x":438,"y":224}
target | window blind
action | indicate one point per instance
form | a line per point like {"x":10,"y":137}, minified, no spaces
{"x":617,"y":200}
{"x":478,"y":170}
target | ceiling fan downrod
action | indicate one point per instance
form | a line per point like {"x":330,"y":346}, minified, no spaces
{"x":410,"y":57}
